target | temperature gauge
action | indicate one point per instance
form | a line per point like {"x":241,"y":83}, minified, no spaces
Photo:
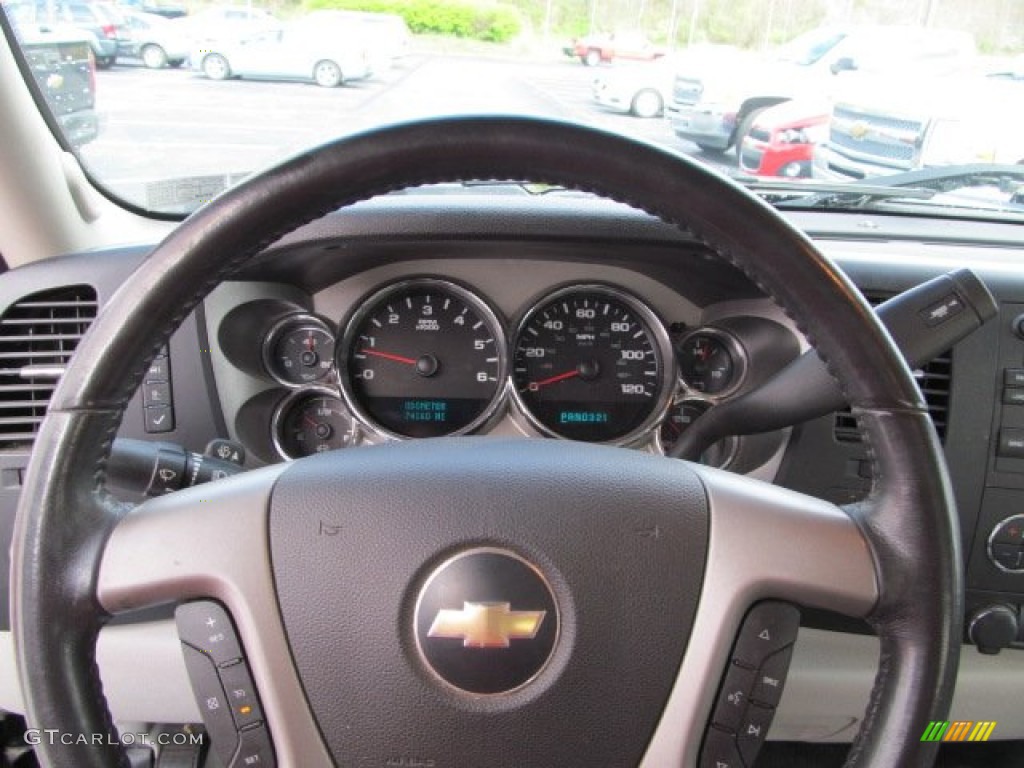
{"x":299,"y":350}
{"x":711,"y":362}
{"x":312,"y":421}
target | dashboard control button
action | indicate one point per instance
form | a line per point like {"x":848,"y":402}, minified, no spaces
{"x":213,"y":704}
{"x":156,"y":393}
{"x":1011,"y":443}
{"x":158,"y":418}
{"x":733,"y":696}
{"x":719,"y":750}
{"x":1013,"y":377}
{"x":753,"y":731}
{"x":1006,"y":545}
{"x":205,"y":626}
{"x":993,"y":627}
{"x":771,"y":678}
{"x":769,"y":627}
{"x":241,"y":694}
{"x":159,"y":370}
{"x":254,"y":749}
{"x":1013,"y":396}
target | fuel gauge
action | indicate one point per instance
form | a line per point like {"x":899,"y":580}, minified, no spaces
{"x":678,"y":419}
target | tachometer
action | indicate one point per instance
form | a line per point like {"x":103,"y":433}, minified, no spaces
{"x":423,"y":358}
{"x":592,"y":363}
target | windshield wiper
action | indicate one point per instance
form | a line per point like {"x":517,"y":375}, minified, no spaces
{"x":929,"y":184}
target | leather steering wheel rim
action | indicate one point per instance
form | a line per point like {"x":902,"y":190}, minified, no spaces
{"x":65,"y":515}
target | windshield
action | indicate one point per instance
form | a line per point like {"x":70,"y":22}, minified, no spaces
{"x":166,"y":103}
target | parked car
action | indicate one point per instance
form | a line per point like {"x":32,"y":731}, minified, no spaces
{"x":385,"y":35}
{"x":715,"y":108}
{"x":595,"y":49}
{"x":643,"y":88}
{"x":154,"y":40}
{"x":325,"y":54}
{"x":160,"y":8}
{"x":884,"y":126}
{"x":222,"y":22}
{"x":100,"y":20}
{"x":62,"y":65}
{"x":782,"y":139}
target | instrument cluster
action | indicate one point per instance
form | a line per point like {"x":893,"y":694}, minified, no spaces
{"x":430,"y":357}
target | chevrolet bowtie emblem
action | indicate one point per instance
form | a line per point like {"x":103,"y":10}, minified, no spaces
{"x":486,"y":625}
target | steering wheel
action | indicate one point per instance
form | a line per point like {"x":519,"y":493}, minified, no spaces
{"x":648,"y":564}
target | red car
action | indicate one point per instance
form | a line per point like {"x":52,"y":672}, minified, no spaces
{"x":595,"y":49}
{"x":781,"y":139}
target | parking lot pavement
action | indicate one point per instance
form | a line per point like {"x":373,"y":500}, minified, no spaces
{"x":162,"y":124}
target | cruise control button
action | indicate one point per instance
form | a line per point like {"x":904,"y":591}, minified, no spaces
{"x":769,"y":627}
{"x":753,"y":731}
{"x":719,"y":751}
{"x":771,"y":678}
{"x":205,"y":626}
{"x":213,"y":704}
{"x":241,"y":693}
{"x":732,"y":699}
{"x":254,"y":749}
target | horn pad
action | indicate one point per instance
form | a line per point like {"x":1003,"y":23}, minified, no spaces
{"x":476,"y":601}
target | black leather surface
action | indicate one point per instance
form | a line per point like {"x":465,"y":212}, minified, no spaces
{"x":921,"y":655}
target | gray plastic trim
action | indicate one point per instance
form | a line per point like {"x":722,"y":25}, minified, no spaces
{"x":212,"y":541}
{"x":764,"y":542}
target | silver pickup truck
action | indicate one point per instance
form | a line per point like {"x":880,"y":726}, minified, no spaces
{"x":716,"y":107}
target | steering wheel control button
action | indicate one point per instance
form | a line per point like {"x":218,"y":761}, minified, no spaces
{"x":157,"y":400}
{"x":486,"y":622}
{"x":733,"y":697}
{"x":1006,"y":545}
{"x":769,"y":627}
{"x":753,"y":731}
{"x":771,"y":677}
{"x":720,"y":750}
{"x":254,"y":749}
{"x":205,"y":626}
{"x":213,"y":703}
{"x":241,"y":694}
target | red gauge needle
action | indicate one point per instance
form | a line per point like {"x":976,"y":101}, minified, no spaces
{"x":533,"y":386}
{"x":388,"y":356}
{"x":313,"y":424}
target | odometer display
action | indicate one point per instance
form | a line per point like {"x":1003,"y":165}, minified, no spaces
{"x":423,"y":358}
{"x":590,"y":364}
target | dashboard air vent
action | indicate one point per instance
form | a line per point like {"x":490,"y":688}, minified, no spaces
{"x":935,"y":381}
{"x":38,"y":334}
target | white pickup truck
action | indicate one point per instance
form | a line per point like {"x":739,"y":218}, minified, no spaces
{"x":716,"y":107}
{"x":885,"y":126}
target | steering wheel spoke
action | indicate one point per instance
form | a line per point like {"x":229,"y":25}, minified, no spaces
{"x":211,"y":542}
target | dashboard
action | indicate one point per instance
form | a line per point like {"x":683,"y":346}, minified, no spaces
{"x":411,"y":317}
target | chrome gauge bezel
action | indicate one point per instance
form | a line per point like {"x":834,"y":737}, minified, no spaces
{"x":464,"y":294}
{"x":289,"y":401}
{"x":667,"y":381}
{"x":740,"y":358}
{"x":732,"y":442}
{"x":295,"y":320}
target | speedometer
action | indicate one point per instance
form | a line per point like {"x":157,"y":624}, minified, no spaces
{"x":592,"y":363}
{"x":423,"y":358}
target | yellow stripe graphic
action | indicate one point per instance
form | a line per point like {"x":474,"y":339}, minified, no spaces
{"x":982,"y":731}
